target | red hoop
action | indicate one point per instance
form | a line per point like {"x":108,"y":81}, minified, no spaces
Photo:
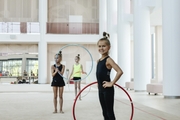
{"x":132,"y":106}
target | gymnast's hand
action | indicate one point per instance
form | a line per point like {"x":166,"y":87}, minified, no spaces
{"x":56,"y":70}
{"x":107,"y":84}
{"x":84,"y":73}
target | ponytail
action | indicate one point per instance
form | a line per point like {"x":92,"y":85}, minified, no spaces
{"x":106,"y":37}
{"x":78,"y":56}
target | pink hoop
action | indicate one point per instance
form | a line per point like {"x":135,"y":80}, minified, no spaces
{"x":132,"y":106}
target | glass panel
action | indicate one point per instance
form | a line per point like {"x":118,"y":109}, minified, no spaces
{"x":10,"y":67}
{"x":33,"y":27}
{"x":13,"y":27}
{"x":32,"y":66}
{"x":19,"y":27}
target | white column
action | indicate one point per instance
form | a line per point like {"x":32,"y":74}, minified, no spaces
{"x":171,"y":49}
{"x":23,"y":65}
{"x":112,"y":30}
{"x":42,"y":47}
{"x":159,"y":59}
{"x":123,"y":35}
{"x":142,"y":46}
{"x":102,"y":17}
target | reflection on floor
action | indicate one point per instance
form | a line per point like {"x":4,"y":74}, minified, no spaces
{"x":35,"y":102}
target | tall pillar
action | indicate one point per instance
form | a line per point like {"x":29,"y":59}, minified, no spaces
{"x":142,"y":45}
{"x":42,"y":46}
{"x":171,"y":49}
{"x":123,"y":42}
{"x":24,"y":67}
{"x":158,"y":57}
{"x":102,"y":17}
{"x":112,"y":29}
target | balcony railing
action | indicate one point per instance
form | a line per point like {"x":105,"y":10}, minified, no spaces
{"x":73,"y":28}
{"x":52,"y":28}
{"x":19,"y":27}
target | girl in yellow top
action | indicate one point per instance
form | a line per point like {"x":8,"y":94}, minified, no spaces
{"x":77,"y":70}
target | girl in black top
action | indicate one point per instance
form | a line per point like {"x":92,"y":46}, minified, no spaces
{"x":58,"y":84}
{"x":105,"y":85}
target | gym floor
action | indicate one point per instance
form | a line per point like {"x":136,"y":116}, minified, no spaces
{"x":35,"y":102}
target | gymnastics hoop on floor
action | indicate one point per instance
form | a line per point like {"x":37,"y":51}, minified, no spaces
{"x":132,"y":106}
{"x":78,"y":45}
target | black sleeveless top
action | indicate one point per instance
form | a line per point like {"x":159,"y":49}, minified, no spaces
{"x":102,"y":73}
{"x":58,"y":79}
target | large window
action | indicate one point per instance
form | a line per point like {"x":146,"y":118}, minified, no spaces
{"x":32,"y":66}
{"x":11,"y":67}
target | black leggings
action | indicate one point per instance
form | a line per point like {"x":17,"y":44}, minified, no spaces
{"x":106,"y":99}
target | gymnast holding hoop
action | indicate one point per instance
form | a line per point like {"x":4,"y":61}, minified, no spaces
{"x":77,"y":70}
{"x":105,"y":85}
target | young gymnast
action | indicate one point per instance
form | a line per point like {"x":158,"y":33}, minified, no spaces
{"x":77,"y":70}
{"x":105,"y":85}
{"x":58,"y":83}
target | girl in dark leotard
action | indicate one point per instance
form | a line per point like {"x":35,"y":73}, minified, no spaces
{"x":105,"y":85}
{"x":58,"y":83}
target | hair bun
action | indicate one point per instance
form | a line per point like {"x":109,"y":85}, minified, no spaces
{"x":78,"y":55}
{"x":106,"y":35}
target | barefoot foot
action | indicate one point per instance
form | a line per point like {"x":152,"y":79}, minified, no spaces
{"x":55,"y":111}
{"x":61,"y":111}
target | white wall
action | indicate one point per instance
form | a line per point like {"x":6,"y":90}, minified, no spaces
{"x":50,"y":38}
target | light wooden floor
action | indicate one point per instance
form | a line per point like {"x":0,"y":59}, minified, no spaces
{"x":35,"y":102}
